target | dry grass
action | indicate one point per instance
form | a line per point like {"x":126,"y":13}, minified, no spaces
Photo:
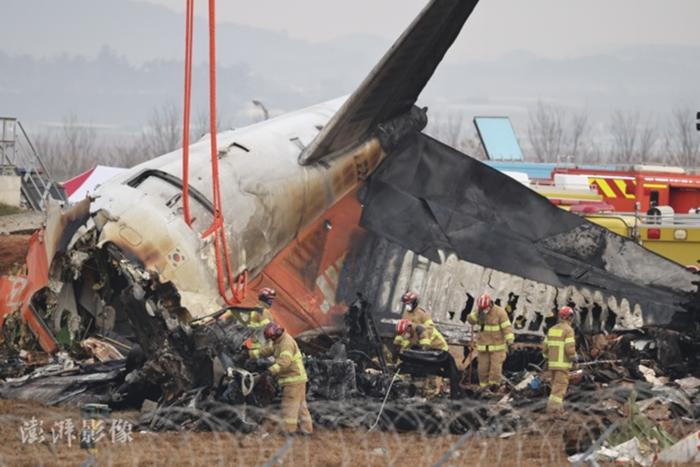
{"x":325,"y":448}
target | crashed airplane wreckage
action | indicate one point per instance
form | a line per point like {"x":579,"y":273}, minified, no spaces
{"x":307,"y":197}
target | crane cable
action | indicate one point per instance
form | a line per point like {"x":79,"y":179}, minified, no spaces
{"x":189,"y":18}
{"x":224,"y":271}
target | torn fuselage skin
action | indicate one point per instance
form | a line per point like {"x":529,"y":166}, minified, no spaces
{"x":134,"y":267}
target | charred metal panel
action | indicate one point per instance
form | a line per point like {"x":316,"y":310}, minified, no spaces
{"x":431,"y":199}
{"x":383,"y":270}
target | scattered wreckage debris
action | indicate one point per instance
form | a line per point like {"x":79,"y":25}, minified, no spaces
{"x":353,"y":383}
{"x":640,"y":439}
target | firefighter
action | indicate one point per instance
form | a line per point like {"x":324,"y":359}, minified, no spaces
{"x":493,"y":342}
{"x":417,"y":334}
{"x":426,"y":338}
{"x":261,"y":316}
{"x":291,"y":374}
{"x":560,"y":352}
{"x":413,"y":314}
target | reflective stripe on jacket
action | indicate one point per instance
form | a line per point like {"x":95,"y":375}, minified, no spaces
{"x":432,"y":339}
{"x":259,"y":318}
{"x":402,"y":342}
{"x":288,"y":366}
{"x":495,"y":332}
{"x":560,"y":346}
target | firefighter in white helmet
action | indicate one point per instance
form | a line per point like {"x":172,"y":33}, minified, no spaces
{"x":495,"y":335}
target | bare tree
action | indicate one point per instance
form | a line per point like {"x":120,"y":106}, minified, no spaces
{"x":163,"y":131}
{"x":633,"y":139}
{"x":69,"y":149}
{"x":455,"y":130}
{"x":623,"y":129}
{"x":648,"y":137}
{"x":546,"y":132}
{"x":580,"y":131}
{"x":200,"y":125}
{"x":682,"y":139}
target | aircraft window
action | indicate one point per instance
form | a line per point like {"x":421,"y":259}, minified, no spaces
{"x":168,"y":189}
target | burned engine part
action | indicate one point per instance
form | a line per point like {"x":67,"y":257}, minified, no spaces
{"x":362,"y":334}
{"x":330,"y":379}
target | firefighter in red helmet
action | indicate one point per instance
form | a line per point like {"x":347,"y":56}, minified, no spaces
{"x":560,"y":352}
{"x":291,"y":374}
{"x":427,"y":339}
{"x":495,"y":335}
{"x":414,"y":314}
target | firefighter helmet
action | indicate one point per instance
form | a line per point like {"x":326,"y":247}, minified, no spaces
{"x":267,"y":295}
{"x":484,"y":302}
{"x":566,"y":312}
{"x":402,"y":326}
{"x":410,"y":298}
{"x":273,"y":331}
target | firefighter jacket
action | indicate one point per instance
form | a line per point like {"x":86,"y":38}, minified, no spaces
{"x":288,"y":366}
{"x":425,"y":337}
{"x":417,"y":316}
{"x":259,"y":318}
{"x":495,"y":330}
{"x":560,"y":346}
{"x":430,"y":338}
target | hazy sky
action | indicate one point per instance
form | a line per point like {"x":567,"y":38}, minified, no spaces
{"x":551,"y":28}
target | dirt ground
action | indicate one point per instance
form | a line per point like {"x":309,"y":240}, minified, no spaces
{"x":13,"y":250}
{"x":324,"y":448}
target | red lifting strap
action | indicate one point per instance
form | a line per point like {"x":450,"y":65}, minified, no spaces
{"x":225,"y":275}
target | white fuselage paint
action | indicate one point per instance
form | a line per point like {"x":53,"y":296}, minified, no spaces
{"x":267,"y":198}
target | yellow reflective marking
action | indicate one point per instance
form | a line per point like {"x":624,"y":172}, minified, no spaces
{"x":623,"y":188}
{"x":604,"y":187}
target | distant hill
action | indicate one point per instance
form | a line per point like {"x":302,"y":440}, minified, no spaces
{"x":110,"y":62}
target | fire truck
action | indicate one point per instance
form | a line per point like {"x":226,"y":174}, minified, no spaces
{"x":647,"y":185}
{"x":657,"y":206}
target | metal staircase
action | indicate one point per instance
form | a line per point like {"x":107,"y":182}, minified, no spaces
{"x":18,"y":155}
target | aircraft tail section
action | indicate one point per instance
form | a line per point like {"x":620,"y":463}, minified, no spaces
{"x":393,"y":86}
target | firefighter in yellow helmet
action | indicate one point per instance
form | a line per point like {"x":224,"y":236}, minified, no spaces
{"x":560,"y":352}
{"x":414,"y":314}
{"x":261,"y":316}
{"x":427,"y":338}
{"x":495,"y":337}
{"x":291,"y":374}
